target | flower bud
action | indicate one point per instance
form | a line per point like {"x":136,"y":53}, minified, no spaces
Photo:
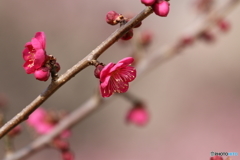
{"x":138,"y":25}
{"x":111,"y":17}
{"x":42,"y":74}
{"x":161,"y":8}
{"x":148,"y":2}
{"x":98,"y":70}
{"x":127,"y":35}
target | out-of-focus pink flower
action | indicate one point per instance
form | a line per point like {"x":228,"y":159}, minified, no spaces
{"x":15,"y":131}
{"x":216,"y":158}
{"x":61,"y":144}
{"x":148,"y":2}
{"x":186,"y":40}
{"x":207,"y":36}
{"x":43,"y":123}
{"x":161,"y":8}
{"x":42,"y":74}
{"x":115,"y":77}
{"x":224,"y":25}
{"x":67,"y":155}
{"x":204,"y":5}
{"x":138,"y":115}
{"x":34,"y":53}
{"x":145,"y":38}
{"x":36,"y":117}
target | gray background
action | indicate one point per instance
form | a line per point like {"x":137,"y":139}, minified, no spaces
{"x":193,"y":99}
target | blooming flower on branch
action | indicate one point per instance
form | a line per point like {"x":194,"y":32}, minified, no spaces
{"x":115,"y":77}
{"x":37,"y":62}
{"x":34,"y":53}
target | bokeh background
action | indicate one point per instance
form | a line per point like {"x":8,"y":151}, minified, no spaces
{"x":193,"y":99}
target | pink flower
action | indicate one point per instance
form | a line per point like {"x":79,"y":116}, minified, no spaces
{"x":161,"y":8}
{"x":224,"y":25}
{"x":37,"y":121}
{"x":34,"y":53}
{"x":36,"y":117}
{"x":115,"y":77}
{"x":42,"y":74}
{"x":43,"y":122}
{"x":138,"y":115}
{"x":67,"y":155}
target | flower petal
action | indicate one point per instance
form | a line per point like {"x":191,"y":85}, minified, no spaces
{"x":105,"y":71}
{"x":115,"y":67}
{"x":106,"y":81}
{"x":29,"y":68}
{"x":40,"y":57}
{"x":105,"y":92}
{"x":36,"y":44}
{"x":128,"y":73}
{"x":26,"y":54}
{"x":127,"y":60}
{"x":40,"y":36}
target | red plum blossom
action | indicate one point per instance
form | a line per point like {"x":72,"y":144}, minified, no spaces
{"x":115,"y":77}
{"x":34,"y":53}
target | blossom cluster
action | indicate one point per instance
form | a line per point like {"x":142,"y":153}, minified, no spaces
{"x":37,"y":62}
{"x":114,"y":18}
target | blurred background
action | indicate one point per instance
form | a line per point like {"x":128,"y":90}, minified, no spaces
{"x":193,"y":99}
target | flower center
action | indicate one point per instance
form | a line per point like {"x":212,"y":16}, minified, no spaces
{"x":31,"y":57}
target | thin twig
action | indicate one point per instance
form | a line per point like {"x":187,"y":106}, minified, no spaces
{"x":23,"y":115}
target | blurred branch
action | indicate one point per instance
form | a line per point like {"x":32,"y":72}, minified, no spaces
{"x":80,"y":113}
{"x":166,"y":52}
{"x":85,"y":62}
{"x":143,"y":67}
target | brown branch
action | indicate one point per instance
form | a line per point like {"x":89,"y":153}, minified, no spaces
{"x":55,"y":85}
{"x":94,"y":102}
